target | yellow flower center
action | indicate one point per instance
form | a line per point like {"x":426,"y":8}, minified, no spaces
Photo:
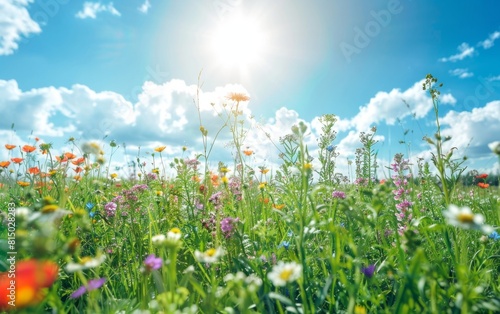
{"x":465,"y":217}
{"x":286,"y":274}
{"x":175,"y":230}
{"x":49,"y":208}
{"x":211,"y":252}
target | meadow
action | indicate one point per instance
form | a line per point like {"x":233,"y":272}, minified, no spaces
{"x":183,"y":236}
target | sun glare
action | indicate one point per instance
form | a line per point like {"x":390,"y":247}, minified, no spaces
{"x":238,"y":42}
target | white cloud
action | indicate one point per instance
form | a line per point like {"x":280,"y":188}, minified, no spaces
{"x":490,"y":41}
{"x":15,"y":22}
{"x":91,"y":9}
{"x":464,"y":51}
{"x":144,"y":8}
{"x":474,"y":128}
{"x":390,"y":106}
{"x":494,"y":78}
{"x":461,"y":73}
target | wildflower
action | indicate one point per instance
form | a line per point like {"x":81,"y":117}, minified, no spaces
{"x":91,"y":148}
{"x":483,"y":185}
{"x":330,"y":148}
{"x":28,"y":149}
{"x":93,"y":284}
{"x":238,"y":97}
{"x":31,"y":277}
{"x":284,"y":273}
{"x":482,"y":176}
{"x":359,"y":309}
{"x":110,"y":209}
{"x":278,"y":206}
{"x":4,"y":164}
{"x":248,"y":152}
{"x":227,"y":226}
{"x":209,"y":256}
{"x":495,"y":147}
{"x":85,"y":263}
{"x":45,"y":147}
{"x":262,"y":185}
{"x":69,"y":155}
{"x":17,"y":160}
{"x":152,"y":263}
{"x":368,"y":271}
{"x":464,"y":218}
{"x":78,"y":161}
{"x":33,"y":170}
{"x":174,"y":234}
{"x":113,"y":175}
{"x":307,"y":166}
{"x":10,"y":146}
{"x":264,"y":170}
{"x":494,"y":235}
{"x":284,"y":244}
{"x":159,"y":149}
{"x":224,"y":180}
{"x":338,"y":194}
{"x":23,"y":183}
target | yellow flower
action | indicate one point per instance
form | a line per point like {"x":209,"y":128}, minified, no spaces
{"x":155,"y":170}
{"x":224,"y":180}
{"x":159,"y":149}
{"x":113,"y":175}
{"x":307,"y":166}
{"x":264,"y":170}
{"x":238,"y":97}
{"x":262,"y":185}
{"x":359,"y":309}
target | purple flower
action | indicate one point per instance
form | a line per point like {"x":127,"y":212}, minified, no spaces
{"x":227,"y":225}
{"x":110,"y":209}
{"x":338,"y":194}
{"x":93,"y":284}
{"x":152,"y":262}
{"x":368,"y":271}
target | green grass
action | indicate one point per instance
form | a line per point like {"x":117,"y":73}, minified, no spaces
{"x":255,"y":220}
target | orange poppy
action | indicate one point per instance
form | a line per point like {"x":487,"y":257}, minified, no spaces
{"x":32,"y":276}
{"x":28,"y":149}
{"x":69,"y":155}
{"x":248,"y":152}
{"x":23,"y":183}
{"x":78,"y":161}
{"x":4,"y":164}
{"x":33,"y":170}
{"x":17,"y":160}
{"x":78,"y":169}
{"x":482,"y":176}
{"x":483,"y":185}
{"x":10,"y":146}
{"x":62,"y":158}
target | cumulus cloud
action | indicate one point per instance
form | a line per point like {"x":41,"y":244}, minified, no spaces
{"x":490,"y":41}
{"x":461,"y":73}
{"x":91,"y":9}
{"x":390,"y":106}
{"x":15,"y":22}
{"x":464,"y":51}
{"x":467,"y":128}
{"x":144,"y":8}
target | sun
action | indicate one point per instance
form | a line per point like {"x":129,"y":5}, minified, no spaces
{"x":238,"y":42}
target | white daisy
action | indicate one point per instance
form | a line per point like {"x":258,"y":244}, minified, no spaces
{"x":284,"y":273}
{"x":495,"y":147}
{"x":85,"y":263}
{"x":466,"y":219}
{"x":209,"y":256}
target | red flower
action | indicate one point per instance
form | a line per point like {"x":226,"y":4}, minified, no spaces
{"x":483,"y":185}
{"x":33,"y":170}
{"x":28,"y":149}
{"x":482,"y":176}
{"x":31,"y":277}
{"x":17,"y":160}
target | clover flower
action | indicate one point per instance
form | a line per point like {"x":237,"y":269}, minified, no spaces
{"x":338,"y":194}
{"x":152,"y":263}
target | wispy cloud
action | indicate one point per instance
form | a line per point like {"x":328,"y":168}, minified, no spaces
{"x":91,"y":9}
{"x":490,"y":41}
{"x":15,"y":22}
{"x":144,"y":8}
{"x":464,"y":51}
{"x":494,"y":78}
{"x":461,"y":73}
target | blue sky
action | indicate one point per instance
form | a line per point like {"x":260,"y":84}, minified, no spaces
{"x":129,"y":69}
